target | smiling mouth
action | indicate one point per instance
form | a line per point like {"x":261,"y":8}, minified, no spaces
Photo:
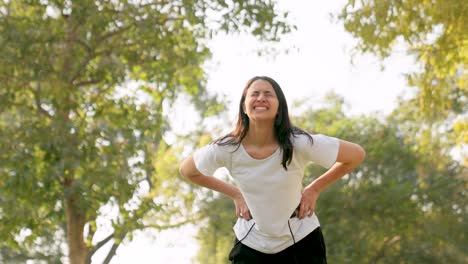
{"x":260,"y":108}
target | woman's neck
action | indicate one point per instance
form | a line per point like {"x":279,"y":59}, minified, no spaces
{"x":260,"y":135}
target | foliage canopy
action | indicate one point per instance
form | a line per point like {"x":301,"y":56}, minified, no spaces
{"x":84,"y":86}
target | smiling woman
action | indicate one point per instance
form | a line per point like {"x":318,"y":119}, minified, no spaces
{"x":266,"y":156}
{"x":261,"y":102}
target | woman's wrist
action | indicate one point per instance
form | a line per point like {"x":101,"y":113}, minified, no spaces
{"x":314,"y":187}
{"x":236,"y":194}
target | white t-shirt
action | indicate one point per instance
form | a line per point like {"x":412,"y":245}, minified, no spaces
{"x":271,"y":192}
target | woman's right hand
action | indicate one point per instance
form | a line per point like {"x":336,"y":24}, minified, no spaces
{"x":242,"y":210}
{"x":190,"y":171}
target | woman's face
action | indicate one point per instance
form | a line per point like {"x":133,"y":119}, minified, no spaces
{"x":261,"y":103}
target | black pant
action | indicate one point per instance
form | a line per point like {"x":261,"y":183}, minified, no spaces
{"x":310,"y":250}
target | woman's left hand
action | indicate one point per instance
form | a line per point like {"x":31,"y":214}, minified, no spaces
{"x":307,"y":206}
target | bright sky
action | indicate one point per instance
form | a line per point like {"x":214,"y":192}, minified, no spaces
{"x":319,"y":61}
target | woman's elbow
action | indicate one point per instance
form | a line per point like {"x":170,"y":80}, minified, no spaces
{"x":360,"y":154}
{"x":350,"y":153}
{"x":187,"y":169}
{"x":182,"y":171}
{"x":183,"y":168}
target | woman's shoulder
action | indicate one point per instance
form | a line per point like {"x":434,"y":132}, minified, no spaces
{"x":225,"y":140}
{"x":318,"y":148}
{"x":225,"y":143}
{"x":300,"y":137}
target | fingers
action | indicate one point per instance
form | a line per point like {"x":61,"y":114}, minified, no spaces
{"x":311,"y":212}
{"x":242,"y":210}
{"x":249,"y":216}
{"x":305,"y":210}
{"x":245,"y":214}
{"x":308,"y":200}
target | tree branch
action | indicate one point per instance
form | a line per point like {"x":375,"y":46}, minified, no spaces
{"x":179,"y":224}
{"x":91,"y":233}
{"x":91,"y":52}
{"x":91,"y":56}
{"x":37,"y":101}
{"x":86,"y":83}
{"x":101,"y":243}
{"x":152,"y":3}
{"x":113,"y":33}
{"x":97,"y":246}
{"x":113,"y":249}
{"x":386,"y":244}
{"x":84,"y":45}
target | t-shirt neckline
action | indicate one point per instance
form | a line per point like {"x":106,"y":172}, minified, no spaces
{"x":266,"y":158}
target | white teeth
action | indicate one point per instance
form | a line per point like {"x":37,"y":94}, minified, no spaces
{"x":260,"y":108}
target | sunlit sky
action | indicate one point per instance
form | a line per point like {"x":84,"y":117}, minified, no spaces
{"x":319,"y":61}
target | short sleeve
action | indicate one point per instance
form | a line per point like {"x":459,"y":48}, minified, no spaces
{"x":322,"y":151}
{"x":210,"y":158}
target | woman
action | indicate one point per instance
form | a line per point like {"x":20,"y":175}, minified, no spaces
{"x":266,"y":156}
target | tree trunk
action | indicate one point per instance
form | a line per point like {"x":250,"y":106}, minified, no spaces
{"x":76,"y":220}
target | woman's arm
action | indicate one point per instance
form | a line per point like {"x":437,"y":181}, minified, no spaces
{"x":190,"y":171}
{"x":350,"y":155}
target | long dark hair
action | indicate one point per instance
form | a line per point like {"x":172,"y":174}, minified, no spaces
{"x":282,"y":125}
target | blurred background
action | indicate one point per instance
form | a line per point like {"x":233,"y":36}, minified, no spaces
{"x":100,"y":101}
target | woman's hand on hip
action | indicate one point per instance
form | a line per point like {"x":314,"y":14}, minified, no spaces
{"x":308,"y":200}
{"x":242,"y":210}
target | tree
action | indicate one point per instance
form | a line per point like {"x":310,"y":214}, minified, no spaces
{"x":215,"y":236}
{"x":434,"y":122}
{"x":387,"y":209}
{"x":83,"y":90}
{"x":435,"y":32}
